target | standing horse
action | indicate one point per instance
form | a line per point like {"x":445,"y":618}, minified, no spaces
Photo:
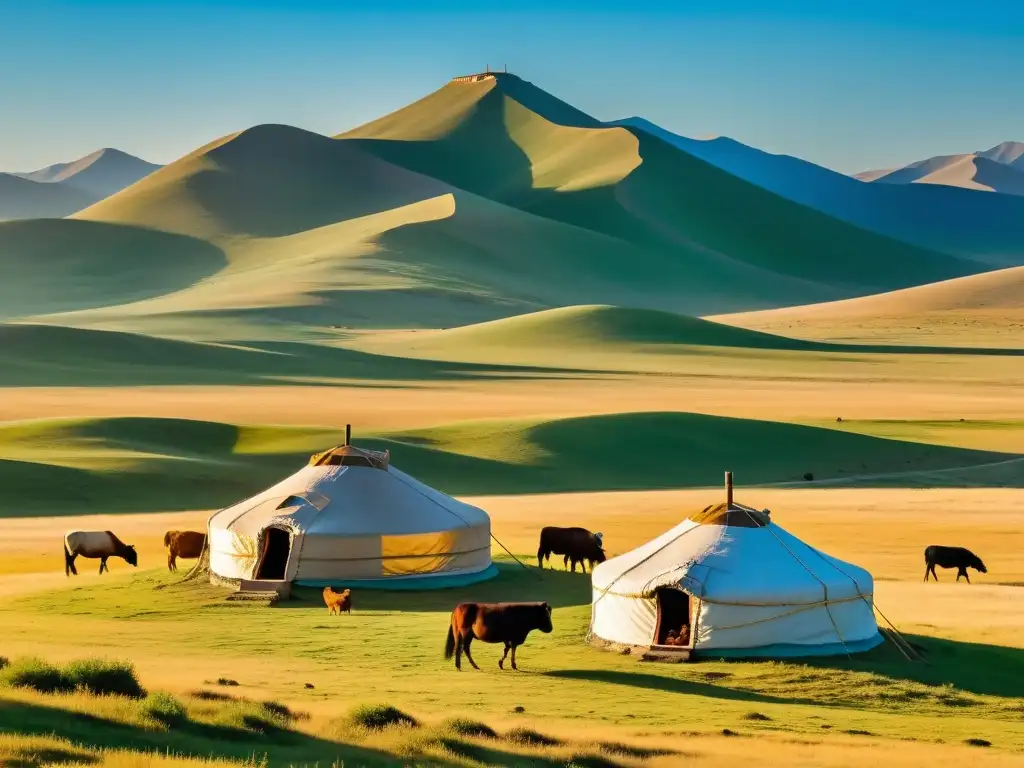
{"x":93,"y":544}
{"x":187,"y":544}
{"x":507,"y":623}
{"x":951,"y":557}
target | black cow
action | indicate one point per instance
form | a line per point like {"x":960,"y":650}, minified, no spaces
{"x":951,"y":557}
{"x":577,"y":544}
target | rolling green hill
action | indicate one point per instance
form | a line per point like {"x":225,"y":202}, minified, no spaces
{"x":57,"y":265}
{"x":145,"y":464}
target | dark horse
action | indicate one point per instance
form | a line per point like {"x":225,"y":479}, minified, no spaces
{"x":951,"y":557}
{"x":507,"y":623}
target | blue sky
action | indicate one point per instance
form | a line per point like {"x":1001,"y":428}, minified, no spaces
{"x":853,"y":84}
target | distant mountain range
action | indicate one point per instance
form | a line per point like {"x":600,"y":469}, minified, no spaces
{"x":485,"y":199}
{"x":999,"y":169}
{"x":65,"y":188}
{"x":983,"y":226}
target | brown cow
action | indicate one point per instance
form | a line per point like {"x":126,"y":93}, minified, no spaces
{"x":577,"y":544}
{"x":338,"y":602}
{"x":507,"y":623}
{"x":187,"y":544}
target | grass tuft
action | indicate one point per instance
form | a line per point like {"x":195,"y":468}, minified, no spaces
{"x":226,"y":681}
{"x":163,"y":707}
{"x":461,"y":726}
{"x":531,"y":738}
{"x":590,"y":761}
{"x":101,"y":677}
{"x":756,"y":716}
{"x":978,"y":742}
{"x":376,"y":717}
{"x":204,"y":695}
{"x":632,"y":751}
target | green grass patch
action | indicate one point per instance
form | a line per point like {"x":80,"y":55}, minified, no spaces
{"x":163,"y":707}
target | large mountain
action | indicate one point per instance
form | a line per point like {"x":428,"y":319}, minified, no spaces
{"x":487,"y":198}
{"x":22,"y":198}
{"x":999,"y":169}
{"x":985,"y":227}
{"x":100,"y":173}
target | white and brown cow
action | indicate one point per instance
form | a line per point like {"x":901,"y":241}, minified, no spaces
{"x":93,"y":544}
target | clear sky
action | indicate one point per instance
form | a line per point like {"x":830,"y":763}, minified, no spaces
{"x":851,"y":84}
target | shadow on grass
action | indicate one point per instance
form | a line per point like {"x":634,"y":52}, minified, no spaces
{"x":670,"y":685}
{"x":978,"y":668}
{"x":281,"y":746}
{"x":513,"y":583}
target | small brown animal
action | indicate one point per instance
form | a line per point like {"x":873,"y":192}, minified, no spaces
{"x":338,"y":602}
{"x":187,"y":544}
{"x":507,"y":623}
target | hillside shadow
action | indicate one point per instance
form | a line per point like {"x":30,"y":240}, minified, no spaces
{"x":677,"y":450}
{"x":49,"y":355}
{"x":192,"y":739}
{"x":978,"y":668}
{"x":560,"y":589}
{"x":61,"y":265}
{"x":670,"y":685}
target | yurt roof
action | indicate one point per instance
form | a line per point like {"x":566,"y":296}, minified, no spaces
{"x":350,"y":456}
{"x":732,"y":553}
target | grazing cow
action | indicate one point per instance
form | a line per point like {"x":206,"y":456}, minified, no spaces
{"x":951,"y":557}
{"x":93,"y":544}
{"x":577,"y":544}
{"x":507,"y":623}
{"x":187,"y":544}
{"x":338,"y":602}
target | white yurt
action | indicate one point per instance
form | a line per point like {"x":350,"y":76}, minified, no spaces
{"x":727,"y":582}
{"x":349,"y":518}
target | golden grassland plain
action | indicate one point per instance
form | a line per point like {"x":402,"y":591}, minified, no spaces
{"x":419,"y":278}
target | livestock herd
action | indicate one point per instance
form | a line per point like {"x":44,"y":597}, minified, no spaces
{"x":506,"y":623}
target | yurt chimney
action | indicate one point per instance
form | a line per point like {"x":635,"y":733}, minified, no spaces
{"x":728,"y":488}
{"x":348,"y":434}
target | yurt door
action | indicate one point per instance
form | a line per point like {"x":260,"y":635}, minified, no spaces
{"x":277,"y":547}
{"x":673,"y":627}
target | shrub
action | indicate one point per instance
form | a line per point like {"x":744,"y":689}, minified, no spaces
{"x":756,"y":716}
{"x":379,"y":716}
{"x":165,"y":708}
{"x":530,"y":738}
{"x":808,"y":476}
{"x":105,"y":678}
{"x":36,"y":674}
{"x":4,"y":661}
{"x":282,"y":711}
{"x":978,"y":742}
{"x":470,"y":728}
{"x":226,"y":681}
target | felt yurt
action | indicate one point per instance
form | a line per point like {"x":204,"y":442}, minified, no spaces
{"x":350,"y":518}
{"x":729,"y":582}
